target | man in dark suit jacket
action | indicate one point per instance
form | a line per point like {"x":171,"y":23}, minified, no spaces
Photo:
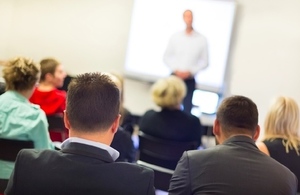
{"x":236,"y":166}
{"x":85,"y":165}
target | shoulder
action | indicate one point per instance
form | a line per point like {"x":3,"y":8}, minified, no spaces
{"x":199,"y":35}
{"x":150,"y":113}
{"x":60,"y":93}
{"x":35,"y":155}
{"x":135,"y":169}
{"x":177,"y":35}
{"x":189,"y":117}
{"x":34,"y":111}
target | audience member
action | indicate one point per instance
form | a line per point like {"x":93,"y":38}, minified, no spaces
{"x":281,"y":139}
{"x":171,"y":123}
{"x":235,"y":166}
{"x":127,"y":120}
{"x":51,"y":100}
{"x":85,"y":165}
{"x":19,"y":119}
{"x":122,"y":141}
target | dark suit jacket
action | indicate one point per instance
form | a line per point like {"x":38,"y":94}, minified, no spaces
{"x":77,"y":169}
{"x":235,"y":167}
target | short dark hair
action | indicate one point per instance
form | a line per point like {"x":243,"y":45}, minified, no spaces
{"x":238,"y":114}
{"x":48,"y":65}
{"x":93,"y":101}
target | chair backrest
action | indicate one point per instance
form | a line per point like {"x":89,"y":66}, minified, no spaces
{"x":160,"y":152}
{"x":57,"y":129}
{"x":10,"y":148}
{"x":56,"y":123}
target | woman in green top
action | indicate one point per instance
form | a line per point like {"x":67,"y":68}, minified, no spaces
{"x":19,"y":119}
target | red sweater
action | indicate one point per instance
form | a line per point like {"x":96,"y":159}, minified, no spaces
{"x":52,"y":102}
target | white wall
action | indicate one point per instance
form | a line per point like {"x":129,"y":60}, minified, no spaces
{"x":265,"y":59}
{"x":83,"y":35}
{"x":92,"y":36}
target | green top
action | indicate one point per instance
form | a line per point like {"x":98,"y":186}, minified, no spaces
{"x":21,"y":120}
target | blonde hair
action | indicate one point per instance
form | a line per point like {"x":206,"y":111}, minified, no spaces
{"x":21,"y":74}
{"x":282,"y":121}
{"x":168,"y":92}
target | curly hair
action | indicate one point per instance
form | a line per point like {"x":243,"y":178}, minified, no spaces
{"x":21,"y":74}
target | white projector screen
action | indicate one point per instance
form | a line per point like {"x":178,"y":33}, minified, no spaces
{"x":153,"y":22}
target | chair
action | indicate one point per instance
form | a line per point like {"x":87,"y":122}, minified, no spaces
{"x":9,"y":150}
{"x":162,"y":156}
{"x":57,"y":128}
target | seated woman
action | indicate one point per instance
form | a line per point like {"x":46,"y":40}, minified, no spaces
{"x":281,"y":138}
{"x":171,"y":123}
{"x":19,"y":119}
{"x":50,"y":99}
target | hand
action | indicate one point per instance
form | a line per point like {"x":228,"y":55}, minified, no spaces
{"x":182,"y":74}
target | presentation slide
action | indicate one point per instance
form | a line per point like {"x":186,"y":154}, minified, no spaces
{"x":153,"y":23}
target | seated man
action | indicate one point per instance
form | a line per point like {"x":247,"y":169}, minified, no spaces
{"x":85,"y":165}
{"x":236,"y":166}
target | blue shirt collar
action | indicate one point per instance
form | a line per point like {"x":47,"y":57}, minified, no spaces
{"x":113,"y":153}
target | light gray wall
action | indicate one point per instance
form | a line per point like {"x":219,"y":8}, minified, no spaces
{"x":92,"y":36}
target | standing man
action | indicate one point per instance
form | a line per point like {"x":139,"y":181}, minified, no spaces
{"x":186,"y":55}
{"x":85,"y":165}
{"x":235,"y":166}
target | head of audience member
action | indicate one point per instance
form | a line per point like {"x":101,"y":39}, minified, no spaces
{"x":52,"y":73}
{"x":119,"y":81}
{"x":282,"y":121}
{"x":92,"y":112}
{"x":188,"y":18}
{"x":168,"y":92}
{"x":21,"y":75}
{"x":237,"y":115}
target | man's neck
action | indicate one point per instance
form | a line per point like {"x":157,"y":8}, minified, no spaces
{"x":189,"y":30}
{"x":223,"y":139}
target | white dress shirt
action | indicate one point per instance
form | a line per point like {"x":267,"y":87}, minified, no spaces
{"x":187,"y":52}
{"x":113,"y":153}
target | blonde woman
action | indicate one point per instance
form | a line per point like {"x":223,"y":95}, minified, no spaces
{"x":281,"y":139}
{"x":19,"y":119}
{"x":170,"y":123}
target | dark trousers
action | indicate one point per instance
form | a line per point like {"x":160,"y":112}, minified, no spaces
{"x":187,"y":102}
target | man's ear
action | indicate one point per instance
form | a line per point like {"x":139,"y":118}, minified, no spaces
{"x":216,"y":127}
{"x":115,"y":125}
{"x":66,"y":120}
{"x":256,"y":133}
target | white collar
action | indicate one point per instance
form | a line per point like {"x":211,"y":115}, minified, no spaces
{"x":113,"y":153}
